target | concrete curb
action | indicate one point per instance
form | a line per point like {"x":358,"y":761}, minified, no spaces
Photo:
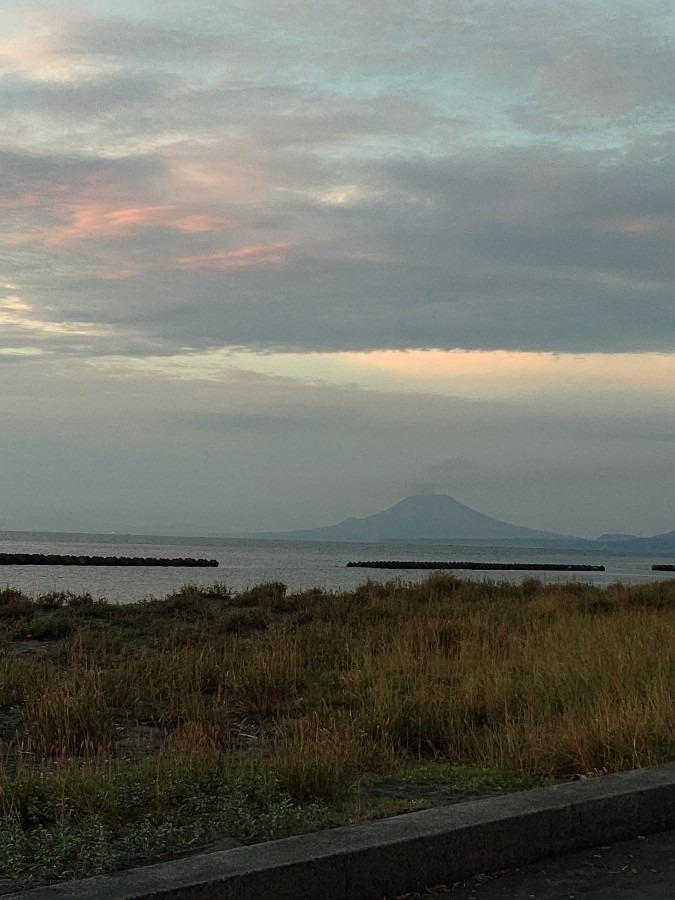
{"x":404,"y":853}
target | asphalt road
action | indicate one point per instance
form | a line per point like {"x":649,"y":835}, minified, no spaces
{"x":640,"y":869}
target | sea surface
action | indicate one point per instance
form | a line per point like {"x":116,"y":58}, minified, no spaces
{"x":244,"y":562}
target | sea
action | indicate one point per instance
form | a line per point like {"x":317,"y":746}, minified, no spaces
{"x":301,"y":565}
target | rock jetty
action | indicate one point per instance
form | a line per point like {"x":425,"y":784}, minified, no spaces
{"x":58,"y":559}
{"x":663,"y":568}
{"x":509,"y":567}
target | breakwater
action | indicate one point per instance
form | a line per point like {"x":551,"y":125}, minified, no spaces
{"x":663,"y":568}
{"x":58,"y":559}
{"x":504,"y":566}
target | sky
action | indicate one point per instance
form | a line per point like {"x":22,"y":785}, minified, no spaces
{"x":267,"y":264}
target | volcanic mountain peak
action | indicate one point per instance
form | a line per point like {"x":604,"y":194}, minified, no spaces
{"x":424,"y":517}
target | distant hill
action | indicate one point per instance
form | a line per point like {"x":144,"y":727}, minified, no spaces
{"x":436,"y":517}
{"x":661,"y":544}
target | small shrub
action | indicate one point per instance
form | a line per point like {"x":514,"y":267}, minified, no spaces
{"x":15,"y":608}
{"x":217,"y":591}
{"x":76,"y":601}
{"x":244,"y":621}
{"x":52,"y":628}
{"x":268,"y":594}
{"x":10,"y":595}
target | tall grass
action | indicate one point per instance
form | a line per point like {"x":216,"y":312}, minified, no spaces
{"x":310,"y":692}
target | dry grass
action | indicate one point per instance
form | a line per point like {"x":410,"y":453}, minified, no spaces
{"x":557,"y":679}
{"x":313,"y":691}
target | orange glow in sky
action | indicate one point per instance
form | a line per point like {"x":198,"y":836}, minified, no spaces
{"x":506,"y":372}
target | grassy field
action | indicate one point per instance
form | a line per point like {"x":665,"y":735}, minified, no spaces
{"x":136,"y":731}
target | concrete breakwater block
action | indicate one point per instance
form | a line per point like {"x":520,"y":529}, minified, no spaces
{"x":488,"y":566}
{"x":58,"y":559}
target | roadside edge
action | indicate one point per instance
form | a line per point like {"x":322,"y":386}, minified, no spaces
{"x":406,"y":852}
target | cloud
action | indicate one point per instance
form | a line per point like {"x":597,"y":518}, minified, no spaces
{"x":322,"y":177}
{"x":240,"y":258}
{"x":525,"y":249}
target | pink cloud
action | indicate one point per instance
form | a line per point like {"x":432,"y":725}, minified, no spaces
{"x":254,"y":256}
{"x":195,"y":223}
{"x":95,"y":220}
{"x":638,"y":224}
